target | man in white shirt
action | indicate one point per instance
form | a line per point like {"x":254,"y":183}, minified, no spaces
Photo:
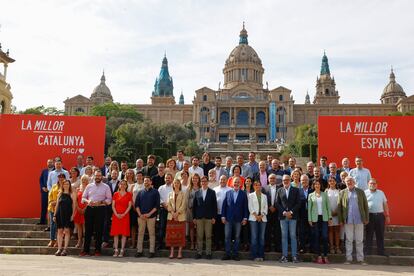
{"x":53,"y":175}
{"x":164,"y":191}
{"x":195,"y":168}
{"x":218,"y":227}
{"x":360,"y":174}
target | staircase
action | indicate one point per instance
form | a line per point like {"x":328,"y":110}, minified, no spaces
{"x":23,"y":236}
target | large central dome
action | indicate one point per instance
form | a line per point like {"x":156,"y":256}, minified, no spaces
{"x":243,"y":52}
{"x":243,"y":65}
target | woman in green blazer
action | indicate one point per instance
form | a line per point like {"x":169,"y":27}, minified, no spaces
{"x":319,"y":216}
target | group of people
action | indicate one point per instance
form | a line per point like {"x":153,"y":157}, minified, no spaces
{"x":260,"y":206}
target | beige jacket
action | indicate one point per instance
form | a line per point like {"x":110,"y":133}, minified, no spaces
{"x":177,"y":205}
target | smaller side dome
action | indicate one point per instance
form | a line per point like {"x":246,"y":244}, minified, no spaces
{"x":101,"y":93}
{"x":393,"y":91}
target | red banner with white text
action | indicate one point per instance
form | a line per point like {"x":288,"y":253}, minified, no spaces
{"x":386,"y":145}
{"x":27,"y":141}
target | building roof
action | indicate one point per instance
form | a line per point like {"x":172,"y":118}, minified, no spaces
{"x":243,"y":52}
{"x":393,"y":87}
{"x":102,"y":91}
{"x":163,"y":86}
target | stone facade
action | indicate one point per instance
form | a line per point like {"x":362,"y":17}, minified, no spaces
{"x":245,"y":114}
{"x":5,"y":88}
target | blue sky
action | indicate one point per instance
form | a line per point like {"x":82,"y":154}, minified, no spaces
{"x":61,"y":47}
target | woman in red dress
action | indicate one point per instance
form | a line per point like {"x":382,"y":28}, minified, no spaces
{"x":121,"y":204}
{"x":79,"y":218}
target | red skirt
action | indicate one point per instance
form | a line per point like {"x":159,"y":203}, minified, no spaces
{"x":120,"y":226}
{"x":175,"y":236}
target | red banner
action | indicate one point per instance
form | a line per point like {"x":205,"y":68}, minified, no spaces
{"x":386,"y":145}
{"x":27,"y":141}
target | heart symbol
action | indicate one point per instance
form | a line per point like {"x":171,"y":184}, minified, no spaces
{"x":400,"y":153}
{"x":81,"y":150}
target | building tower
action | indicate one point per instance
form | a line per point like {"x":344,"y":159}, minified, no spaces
{"x":5,"y":93}
{"x":393,"y":91}
{"x":163,"y":87}
{"x":181,"y":98}
{"x":326,"y":92}
{"x":101,"y":94}
{"x":307,"y":98}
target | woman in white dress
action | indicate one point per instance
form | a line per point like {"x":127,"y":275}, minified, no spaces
{"x":334,"y":228}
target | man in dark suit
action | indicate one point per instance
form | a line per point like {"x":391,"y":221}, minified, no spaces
{"x":105,"y":169}
{"x":272,"y":234}
{"x":113,"y":184}
{"x":204,"y":214}
{"x":304,"y":228}
{"x":234,"y":214}
{"x":333,"y":172}
{"x":44,"y":191}
{"x":288,"y":204}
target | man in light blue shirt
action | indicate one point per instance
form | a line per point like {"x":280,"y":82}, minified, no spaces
{"x":254,"y":166}
{"x":378,"y":216}
{"x":360,"y":174}
{"x":53,"y":175}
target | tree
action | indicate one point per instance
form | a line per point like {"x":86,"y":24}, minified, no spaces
{"x":110,"y":110}
{"x":399,"y":113}
{"x":116,"y":115}
{"x":41,"y":110}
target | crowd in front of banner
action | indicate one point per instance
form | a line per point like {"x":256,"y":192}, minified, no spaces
{"x":214,"y":204}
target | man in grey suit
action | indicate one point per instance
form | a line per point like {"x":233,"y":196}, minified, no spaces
{"x":219,"y":169}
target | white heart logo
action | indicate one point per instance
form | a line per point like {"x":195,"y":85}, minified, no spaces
{"x":400,"y":153}
{"x":81,"y":150}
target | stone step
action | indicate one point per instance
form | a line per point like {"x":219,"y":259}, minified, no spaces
{"x":396,"y":242}
{"x":393,"y":251}
{"x":19,"y":220}
{"x":399,"y":235}
{"x":399,"y":228}
{"x":22,"y":227}
{"x":271,"y":257}
{"x":23,"y":234}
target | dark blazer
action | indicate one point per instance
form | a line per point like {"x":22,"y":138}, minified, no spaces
{"x":43,"y":179}
{"x":235,"y":212}
{"x":150,"y":171}
{"x":303,"y":212}
{"x":116,"y":186}
{"x":288,"y":204}
{"x":337,"y":177}
{"x":103,"y":171}
{"x":205,"y":209}
{"x":256,"y":176}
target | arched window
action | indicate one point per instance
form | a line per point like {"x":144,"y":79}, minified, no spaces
{"x":260,"y":118}
{"x":2,"y":107}
{"x":224,"y":118}
{"x":80,"y":110}
{"x":243,"y":118}
{"x":204,"y":115}
{"x":204,"y":98}
{"x":281,"y":98}
{"x":326,"y":91}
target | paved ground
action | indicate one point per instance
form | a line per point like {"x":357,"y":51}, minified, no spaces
{"x":46,"y":265}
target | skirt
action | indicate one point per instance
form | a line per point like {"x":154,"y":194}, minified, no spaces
{"x":175,"y":236}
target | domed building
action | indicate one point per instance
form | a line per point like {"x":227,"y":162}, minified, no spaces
{"x":245,"y":114}
{"x":393,"y":91}
{"x":83,"y":105}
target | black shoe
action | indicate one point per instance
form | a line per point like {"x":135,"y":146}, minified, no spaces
{"x":138,"y":255}
{"x":226,"y":258}
{"x":295,"y":260}
{"x":151,"y":255}
{"x":160,"y":246}
{"x":236,"y":258}
{"x":40,"y":223}
{"x":47,"y":229}
{"x":283,"y":260}
{"x":208,"y":256}
{"x":383,"y":254}
{"x":198,"y":256}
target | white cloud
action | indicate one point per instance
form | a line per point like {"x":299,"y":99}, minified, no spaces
{"x":61,"y":47}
